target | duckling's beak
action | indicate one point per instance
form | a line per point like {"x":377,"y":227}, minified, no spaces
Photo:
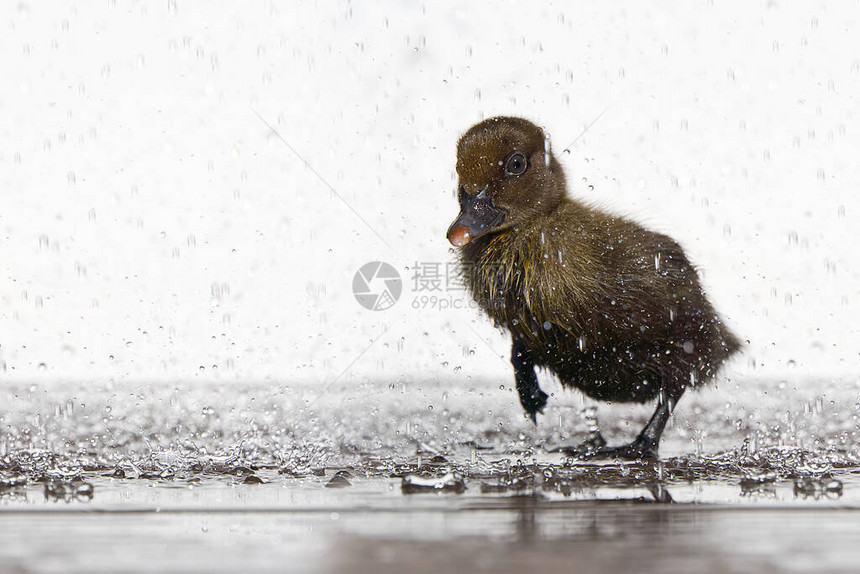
{"x":478,"y":215}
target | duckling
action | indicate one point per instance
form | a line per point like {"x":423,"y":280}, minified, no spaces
{"x":609,"y":307}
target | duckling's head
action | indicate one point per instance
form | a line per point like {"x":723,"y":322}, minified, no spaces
{"x":508,"y":176}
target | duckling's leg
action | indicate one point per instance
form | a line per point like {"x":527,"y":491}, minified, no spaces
{"x":648,"y":441}
{"x":532,"y":397}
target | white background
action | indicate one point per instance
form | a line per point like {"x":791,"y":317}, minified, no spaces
{"x":153,"y":227}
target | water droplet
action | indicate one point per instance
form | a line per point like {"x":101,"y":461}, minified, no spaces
{"x":72,"y":179}
{"x":171,"y":7}
{"x":792,"y":238}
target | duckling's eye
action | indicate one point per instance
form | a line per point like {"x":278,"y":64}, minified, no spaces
{"x":516,"y":164}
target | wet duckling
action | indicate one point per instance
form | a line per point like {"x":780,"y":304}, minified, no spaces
{"x":606,"y":305}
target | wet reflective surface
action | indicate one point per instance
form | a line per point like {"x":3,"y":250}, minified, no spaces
{"x":276,"y":477}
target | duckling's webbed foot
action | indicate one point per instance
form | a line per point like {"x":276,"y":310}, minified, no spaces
{"x":637,"y":450}
{"x":532,"y":397}
{"x":646,"y":444}
{"x":587,"y":448}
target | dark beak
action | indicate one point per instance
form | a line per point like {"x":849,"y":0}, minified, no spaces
{"x":478,"y":215}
